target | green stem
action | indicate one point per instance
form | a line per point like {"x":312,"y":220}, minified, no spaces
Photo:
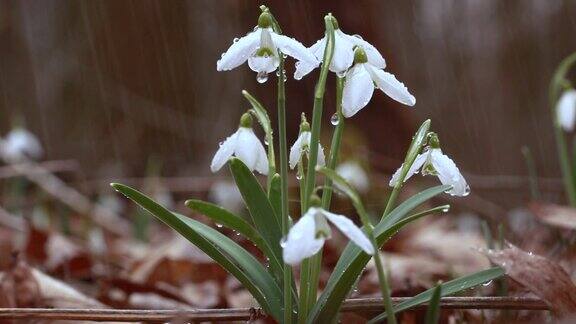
{"x":284,"y":186}
{"x":317,"y":111}
{"x":305,"y":266}
{"x":556,"y":86}
{"x":316,"y":262}
{"x":382,"y":278}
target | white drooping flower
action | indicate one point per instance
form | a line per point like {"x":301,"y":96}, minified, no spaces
{"x":566,"y":110}
{"x":244,"y":145}
{"x":260,"y":48}
{"x":227,"y":195}
{"x":432,"y":161}
{"x":308,"y":235}
{"x":21,"y":144}
{"x":343,"y":56}
{"x":361,"y":80}
{"x":354,"y":174}
{"x":302,"y":146}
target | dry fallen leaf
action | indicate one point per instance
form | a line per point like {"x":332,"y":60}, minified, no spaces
{"x":555,"y":215}
{"x":541,"y":276}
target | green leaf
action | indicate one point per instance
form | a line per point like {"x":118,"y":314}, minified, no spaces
{"x":275,"y":195}
{"x":353,"y":260}
{"x":223,"y":250}
{"x":448,"y":288}
{"x":235,"y":222}
{"x":433,"y":310}
{"x":263,"y":215}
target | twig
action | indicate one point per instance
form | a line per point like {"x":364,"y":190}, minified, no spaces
{"x":57,"y":188}
{"x":234,"y":314}
{"x":10,"y":171}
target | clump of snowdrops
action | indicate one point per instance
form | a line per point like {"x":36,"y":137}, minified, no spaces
{"x":297,"y":242}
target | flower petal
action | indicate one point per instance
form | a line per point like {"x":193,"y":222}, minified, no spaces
{"x":247,"y":147}
{"x":388,"y":83}
{"x":343,"y":53}
{"x":566,"y":110}
{"x":239,"y":52}
{"x":296,"y":149}
{"x":264,"y":64}
{"x":418,"y":163}
{"x":348,"y":228}
{"x":374,"y":56}
{"x":294,"y":48}
{"x":305,"y":67}
{"x":262,"y":164}
{"x":449,"y":174}
{"x":224,"y":152}
{"x":358,"y":90}
{"x":321,"y":158}
{"x":301,"y":241}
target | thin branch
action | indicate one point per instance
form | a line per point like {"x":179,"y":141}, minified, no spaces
{"x":235,"y":314}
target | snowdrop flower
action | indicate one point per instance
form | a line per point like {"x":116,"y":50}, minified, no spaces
{"x":301,"y":146}
{"x":343,"y":53}
{"x":361,"y":80}
{"x":308,"y":235}
{"x":433,"y":161}
{"x":227,"y":195}
{"x":566,"y":110}
{"x":354,"y":174}
{"x":260,"y":49}
{"x":244,"y":145}
{"x":21,"y":144}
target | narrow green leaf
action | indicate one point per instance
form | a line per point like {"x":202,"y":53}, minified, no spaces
{"x":275,"y":195}
{"x":234,"y":222}
{"x":223,"y":250}
{"x":448,"y":288}
{"x":353,"y":260}
{"x":263,"y":215}
{"x":433,"y":310}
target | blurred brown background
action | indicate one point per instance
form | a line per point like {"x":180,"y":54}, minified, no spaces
{"x":111,"y":83}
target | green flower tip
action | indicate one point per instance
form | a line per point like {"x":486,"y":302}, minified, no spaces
{"x":433,"y":140}
{"x":246,"y":120}
{"x":360,"y":55}
{"x":315,"y":201}
{"x":304,"y":125}
{"x":265,"y":20}
{"x":264,"y":52}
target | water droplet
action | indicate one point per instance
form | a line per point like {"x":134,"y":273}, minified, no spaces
{"x":235,"y":40}
{"x":219,"y":225}
{"x":335,"y":119}
{"x":285,"y":78}
{"x":266,"y":142}
{"x":277,"y":73}
{"x":466,"y":191}
{"x":283,"y":243}
{"x":237,"y":233}
{"x":488,"y":283}
{"x":357,"y":36}
{"x":341,"y":74}
{"x":445,"y":210}
{"x":262,"y":77}
{"x":221,"y":142}
{"x":298,"y":176}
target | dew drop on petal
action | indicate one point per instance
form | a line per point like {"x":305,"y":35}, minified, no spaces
{"x":262,"y":77}
{"x":357,"y":36}
{"x":335,"y":119}
{"x":235,"y":40}
{"x":283,"y":243}
{"x":466,"y":191}
{"x":341,"y":74}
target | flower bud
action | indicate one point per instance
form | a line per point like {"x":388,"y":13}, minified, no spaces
{"x":360,"y":55}
{"x":246,"y":120}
